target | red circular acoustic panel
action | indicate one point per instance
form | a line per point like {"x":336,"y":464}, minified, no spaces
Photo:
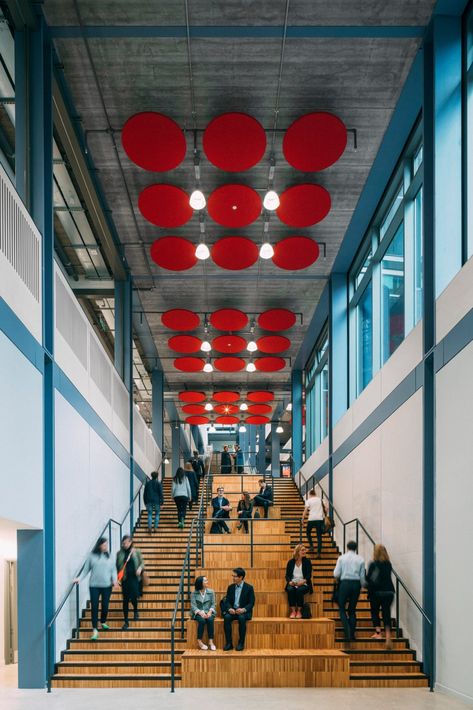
{"x":227,"y":409}
{"x":234,"y":142}
{"x":191,"y":396}
{"x":260,"y":396}
{"x":153,"y":141}
{"x":226,"y":397}
{"x":194,"y":409}
{"x":165,"y":205}
{"x":228,"y":319}
{"x":225,"y":419}
{"x":197,"y":420}
{"x":314,"y":141}
{"x":270,"y":364}
{"x":229,"y":364}
{"x":258,"y":408}
{"x":189,"y":364}
{"x":257,"y":419}
{"x":180,"y":319}
{"x":229,"y":343}
{"x":173,"y":253}
{"x":277,"y":319}
{"x":234,"y":205}
{"x":185,"y":343}
{"x":294,"y":253}
{"x":273,"y":343}
{"x":234,"y":253}
{"x":304,"y":205}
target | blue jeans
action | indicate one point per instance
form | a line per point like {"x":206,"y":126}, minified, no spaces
{"x":157,"y":508}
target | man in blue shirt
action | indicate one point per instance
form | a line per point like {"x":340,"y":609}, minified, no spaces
{"x":237,"y":605}
{"x":350,"y":571}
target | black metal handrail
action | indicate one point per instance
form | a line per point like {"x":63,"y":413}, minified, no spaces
{"x":75,"y":585}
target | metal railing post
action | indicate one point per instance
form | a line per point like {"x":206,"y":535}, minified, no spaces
{"x":300,"y":531}
{"x":77,"y":610}
{"x":344,"y":536}
{"x":357,"y":534}
{"x":110,"y":534}
{"x":397,"y":608}
{"x":48,"y":656}
{"x":172,"y":657}
{"x":251,"y":542}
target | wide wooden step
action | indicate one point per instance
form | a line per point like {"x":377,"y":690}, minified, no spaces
{"x":161,"y":680}
{"x":388,"y":680}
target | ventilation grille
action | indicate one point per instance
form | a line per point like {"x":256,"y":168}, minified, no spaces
{"x":120,"y":400}
{"x":70,"y":323}
{"x":100,"y":369}
{"x":19,"y":243}
{"x":139,"y":429}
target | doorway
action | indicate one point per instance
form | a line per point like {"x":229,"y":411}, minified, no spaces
{"x":11,"y":612}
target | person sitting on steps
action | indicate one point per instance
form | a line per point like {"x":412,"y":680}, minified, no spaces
{"x":220,"y":511}
{"x":237,"y":605}
{"x":298,"y":580}
{"x":244,"y":511}
{"x":264,"y":497}
{"x":203,"y":611}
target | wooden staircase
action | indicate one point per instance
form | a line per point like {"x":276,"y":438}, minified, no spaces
{"x":141,"y":656}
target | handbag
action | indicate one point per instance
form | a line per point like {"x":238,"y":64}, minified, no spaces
{"x":145,"y":581}
{"x":329,"y":523}
{"x":121,"y":573}
{"x":306,"y":612}
{"x":257,"y":514}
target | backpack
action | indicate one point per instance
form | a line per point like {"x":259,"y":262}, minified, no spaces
{"x":306,"y":612}
{"x":256,"y":514}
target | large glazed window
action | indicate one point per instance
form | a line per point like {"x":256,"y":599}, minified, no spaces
{"x":468,"y":99}
{"x":317,"y":395}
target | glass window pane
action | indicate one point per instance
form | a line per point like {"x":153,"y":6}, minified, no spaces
{"x":392,"y":211}
{"x":417,"y":162}
{"x":418,"y":257}
{"x":324,"y":403}
{"x":364,"y":317}
{"x":392,"y":295}
{"x":469,"y":130}
{"x":363,"y":268}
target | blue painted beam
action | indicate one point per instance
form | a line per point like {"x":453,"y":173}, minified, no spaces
{"x":157,"y":404}
{"x":313,"y":331}
{"x":296,"y":382}
{"x":238,"y":31}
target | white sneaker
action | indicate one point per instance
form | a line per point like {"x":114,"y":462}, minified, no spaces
{"x":212,"y":647}
{"x":202,"y":646}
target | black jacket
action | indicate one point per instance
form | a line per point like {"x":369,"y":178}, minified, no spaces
{"x":266,"y":493}
{"x":247,"y":599}
{"x":306,"y":571}
{"x":194,"y":484}
{"x":153,"y":492}
{"x":216,"y":507}
{"x":378,"y":577}
{"x":197,"y":465}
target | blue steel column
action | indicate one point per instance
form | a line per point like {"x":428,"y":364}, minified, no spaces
{"x":252,"y":446}
{"x":275,"y":451}
{"x":127,"y":336}
{"x":157,"y":403}
{"x":296,"y":384}
{"x":118,"y":349}
{"x":176,"y":446}
{"x":261,"y":458}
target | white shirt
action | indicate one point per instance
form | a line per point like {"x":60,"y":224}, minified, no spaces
{"x":350,"y":566}
{"x":314,"y":505}
{"x":297,"y":574}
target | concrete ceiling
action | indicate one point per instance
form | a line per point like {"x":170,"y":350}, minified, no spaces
{"x":358,"y":78}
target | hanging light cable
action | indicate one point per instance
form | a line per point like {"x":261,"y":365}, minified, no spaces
{"x":266,"y":250}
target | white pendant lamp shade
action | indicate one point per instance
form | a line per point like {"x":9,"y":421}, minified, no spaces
{"x":266,"y":251}
{"x":206,"y":347}
{"x":252,"y":347}
{"x":279,"y":429}
{"x":243,"y":406}
{"x":208,"y":367}
{"x":242,"y":429}
{"x":251,"y":367}
{"x":202,"y":251}
{"x":197,"y":201}
{"x":166,"y":461}
{"x":212,"y":429}
{"x":271,"y":201}
{"x":208,"y":407}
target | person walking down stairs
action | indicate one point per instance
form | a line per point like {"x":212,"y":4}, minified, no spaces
{"x":182,"y":494}
{"x":103,"y":576}
{"x":153,"y":500}
{"x":129,"y":569}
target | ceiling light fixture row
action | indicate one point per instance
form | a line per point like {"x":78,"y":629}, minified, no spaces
{"x":228,"y":319}
{"x":231,"y":364}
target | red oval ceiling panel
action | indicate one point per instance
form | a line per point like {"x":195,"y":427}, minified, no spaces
{"x":259,"y":408}
{"x":226,"y":397}
{"x":257,"y":419}
{"x":229,"y":319}
{"x":295,"y":253}
{"x":153,"y":141}
{"x":185,"y":344}
{"x":197,"y":420}
{"x":191,"y":396}
{"x":234,"y":205}
{"x":234,"y":142}
{"x":229,"y":344}
{"x":273,"y":343}
{"x":180,"y":319}
{"x":314,"y":141}
{"x":260,"y":396}
{"x":189,"y":364}
{"x":194,"y":409}
{"x":234,"y":253}
{"x":304,"y":205}
{"x":225,"y":419}
{"x":270,"y":364}
{"x":277,"y":319}
{"x":173,"y":253}
{"x":229,"y":364}
{"x":165,"y":205}
{"x":226,"y":408}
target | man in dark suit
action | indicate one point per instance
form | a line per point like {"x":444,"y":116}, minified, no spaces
{"x":237,"y":606}
{"x":220,"y":511}
{"x":264,"y":497}
{"x":197,"y":464}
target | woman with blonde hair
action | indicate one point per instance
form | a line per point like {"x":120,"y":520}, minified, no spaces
{"x":380,"y":592}
{"x":298,"y":580}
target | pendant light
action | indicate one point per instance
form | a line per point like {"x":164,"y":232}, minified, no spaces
{"x":266,"y":250}
{"x":242,"y":428}
{"x":271,"y":201}
{"x":197,"y":199}
{"x":243,"y":407}
{"x":279,"y":429}
{"x":251,"y":367}
{"x":208,"y":406}
{"x":205,"y":347}
{"x":202,"y":251}
{"x":208,"y":367}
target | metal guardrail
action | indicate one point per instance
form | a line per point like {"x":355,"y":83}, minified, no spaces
{"x":75,"y":586}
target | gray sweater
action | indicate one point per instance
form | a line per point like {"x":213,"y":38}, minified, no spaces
{"x":181,"y":489}
{"x":102,"y":570}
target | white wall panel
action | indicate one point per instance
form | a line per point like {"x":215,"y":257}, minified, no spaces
{"x":454,"y":524}
{"x":455,"y":301}
{"x":402,"y":361}
{"x":315,"y":461}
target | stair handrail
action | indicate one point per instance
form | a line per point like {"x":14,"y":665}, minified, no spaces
{"x":399,"y":583}
{"x":75,"y":585}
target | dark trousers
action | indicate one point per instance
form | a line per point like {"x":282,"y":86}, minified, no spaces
{"x":228,"y":619}
{"x":383,"y":601}
{"x":181,"y":505}
{"x":244,"y":517}
{"x":95,"y":594}
{"x":201,"y":624}
{"x":295,"y":595}
{"x":264,"y":502}
{"x":240,"y":469}
{"x":348,"y":592}
{"x":130,"y":593}
{"x":219,"y":518}
{"x":319,"y":529}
